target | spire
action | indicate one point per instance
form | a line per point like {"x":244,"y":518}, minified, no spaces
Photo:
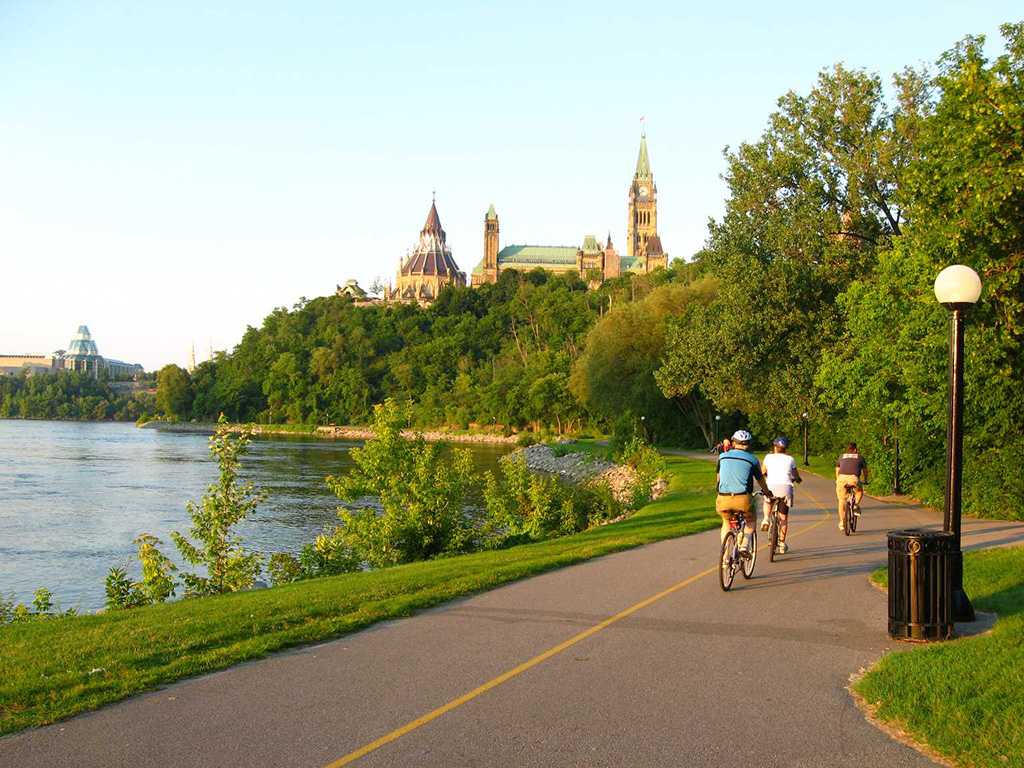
{"x":643,"y":164}
{"x":491,"y":215}
{"x":433,"y":222}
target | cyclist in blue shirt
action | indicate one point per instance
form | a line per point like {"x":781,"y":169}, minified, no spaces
{"x":737,"y":470}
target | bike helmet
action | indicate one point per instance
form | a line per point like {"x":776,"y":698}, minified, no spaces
{"x":781,"y":441}
{"x":742,"y":436}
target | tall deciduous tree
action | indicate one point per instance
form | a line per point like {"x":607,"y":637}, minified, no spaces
{"x":174,"y":391}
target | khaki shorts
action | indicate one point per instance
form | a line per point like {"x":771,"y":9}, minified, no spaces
{"x":742,"y":504}
{"x":844,"y":480}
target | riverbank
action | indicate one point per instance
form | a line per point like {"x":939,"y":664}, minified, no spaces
{"x":52,"y":669}
{"x":352,"y":434}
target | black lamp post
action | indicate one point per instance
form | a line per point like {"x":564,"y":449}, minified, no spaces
{"x":806,"y":464}
{"x":643,"y":424}
{"x":896,"y":458}
{"x":957,"y":288}
{"x":718,"y":418}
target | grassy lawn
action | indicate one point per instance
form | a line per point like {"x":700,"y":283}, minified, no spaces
{"x":55,"y":668}
{"x":966,"y":698}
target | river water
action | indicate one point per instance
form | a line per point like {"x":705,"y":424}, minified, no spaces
{"x":73,"y":495}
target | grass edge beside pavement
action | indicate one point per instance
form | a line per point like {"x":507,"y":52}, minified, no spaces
{"x":53,"y":669}
{"x":963,"y":699}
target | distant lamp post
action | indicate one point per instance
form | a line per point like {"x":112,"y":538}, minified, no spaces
{"x":643,"y":425}
{"x":804,"y":417}
{"x":718,"y":418}
{"x":896,"y":458}
{"x":957,"y":288}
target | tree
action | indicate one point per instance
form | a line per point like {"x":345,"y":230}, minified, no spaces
{"x":615,"y":374}
{"x":174,"y":391}
{"x":811,"y":205}
{"x":966,"y":205}
{"x":229,"y":567}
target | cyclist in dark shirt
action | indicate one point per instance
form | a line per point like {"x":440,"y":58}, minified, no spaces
{"x":850,"y":466}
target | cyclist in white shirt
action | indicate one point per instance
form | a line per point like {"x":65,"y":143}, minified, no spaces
{"x":780,"y":471}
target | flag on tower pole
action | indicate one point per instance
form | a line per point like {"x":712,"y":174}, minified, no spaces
{"x":642,"y":126}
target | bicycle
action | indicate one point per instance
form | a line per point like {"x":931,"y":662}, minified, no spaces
{"x":730,"y":559}
{"x":779,"y":506}
{"x":849,"y":510}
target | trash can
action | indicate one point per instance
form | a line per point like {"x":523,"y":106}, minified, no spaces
{"x":921,"y":584}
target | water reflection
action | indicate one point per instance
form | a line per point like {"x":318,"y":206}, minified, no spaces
{"x":73,"y":497}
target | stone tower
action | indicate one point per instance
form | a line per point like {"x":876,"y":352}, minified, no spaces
{"x":490,"y":246}
{"x":642,"y":241}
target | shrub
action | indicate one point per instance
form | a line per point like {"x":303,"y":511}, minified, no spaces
{"x":522,"y":506}
{"x":558,"y":450}
{"x":422,"y":488}
{"x":157,"y":578}
{"x":525,"y":440}
{"x":328,"y":555}
{"x":649,"y":466}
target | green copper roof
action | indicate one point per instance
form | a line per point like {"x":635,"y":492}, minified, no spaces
{"x":491,"y":215}
{"x":643,"y":163}
{"x":479,"y":268}
{"x":634,"y":264}
{"x":530,"y":256}
{"x":590,"y":244}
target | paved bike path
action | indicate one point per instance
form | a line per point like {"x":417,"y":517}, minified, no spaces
{"x":695,"y":677}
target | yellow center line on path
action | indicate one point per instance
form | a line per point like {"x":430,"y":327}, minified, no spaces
{"x":467,"y":697}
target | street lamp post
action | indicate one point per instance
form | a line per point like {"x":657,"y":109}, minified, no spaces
{"x":718,"y":418}
{"x":643,"y":424}
{"x":806,"y":464}
{"x":896,"y":458}
{"x":957,"y":288}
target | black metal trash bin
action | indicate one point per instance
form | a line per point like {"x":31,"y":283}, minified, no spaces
{"x":921,"y":584}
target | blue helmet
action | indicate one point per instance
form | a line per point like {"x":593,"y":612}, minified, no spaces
{"x":781,"y":441}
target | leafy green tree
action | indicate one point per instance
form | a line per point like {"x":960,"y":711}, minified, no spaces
{"x":174,"y":391}
{"x":615,"y":374}
{"x":965,"y":201}
{"x":157,"y":583}
{"x":229,"y":566}
{"x":811,"y":205}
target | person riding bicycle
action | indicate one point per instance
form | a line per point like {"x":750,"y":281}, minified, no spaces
{"x":780,"y":473}
{"x":850,"y":466}
{"x":737,"y":469}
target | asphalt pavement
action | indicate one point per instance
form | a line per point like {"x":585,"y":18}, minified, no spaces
{"x":634,"y":659}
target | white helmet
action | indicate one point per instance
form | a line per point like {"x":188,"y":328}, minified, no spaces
{"x":742,"y":436}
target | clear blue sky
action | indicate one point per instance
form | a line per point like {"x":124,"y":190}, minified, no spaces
{"x":171,"y":172}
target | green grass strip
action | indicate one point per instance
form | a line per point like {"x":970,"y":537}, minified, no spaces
{"x":52,"y":669}
{"x":965,"y":699}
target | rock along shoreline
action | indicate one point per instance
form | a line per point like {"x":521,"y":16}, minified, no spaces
{"x":581,"y":468}
{"x":355,"y":434}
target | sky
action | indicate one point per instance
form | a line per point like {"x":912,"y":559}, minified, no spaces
{"x":172,"y":172}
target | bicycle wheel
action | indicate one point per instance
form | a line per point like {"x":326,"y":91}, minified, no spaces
{"x":748,"y":565}
{"x":727,"y":561}
{"x":773,"y":537}
{"x":847,"y":515}
{"x":853,"y":521}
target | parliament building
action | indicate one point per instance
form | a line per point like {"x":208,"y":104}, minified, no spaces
{"x":430,"y":266}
